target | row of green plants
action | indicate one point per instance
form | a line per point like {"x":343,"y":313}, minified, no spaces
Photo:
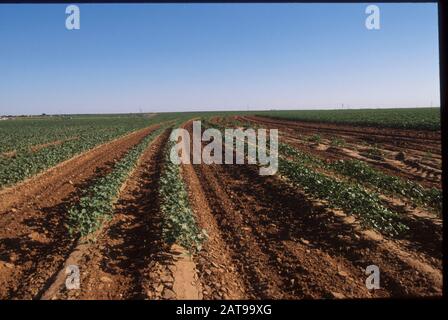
{"x":355,"y":169}
{"x":402,"y":118}
{"x":351,"y":197}
{"x":348,"y":196}
{"x":27,"y":163}
{"x":359,"y":171}
{"x":179,"y":223}
{"x":97,"y":202}
{"x":19,"y":135}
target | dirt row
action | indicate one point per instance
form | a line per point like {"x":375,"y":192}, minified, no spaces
{"x":114,"y":266}
{"x":285,"y":246}
{"x":410,"y":139}
{"x":428,"y":239}
{"x":37,"y":147}
{"x":405,"y":152}
{"x":129,"y":259}
{"x":34,"y":239}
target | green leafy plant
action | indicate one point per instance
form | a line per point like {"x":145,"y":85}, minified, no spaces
{"x":315,"y":138}
{"x":97,"y":203}
{"x":352,"y":198}
{"x":403,"y":118}
{"x":361,"y":171}
{"x":375,"y":153}
{"x":337,"y":142}
{"x":89,"y":132}
{"x":179,"y":223}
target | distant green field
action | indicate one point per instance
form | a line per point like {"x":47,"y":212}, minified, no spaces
{"x":412,"y":118}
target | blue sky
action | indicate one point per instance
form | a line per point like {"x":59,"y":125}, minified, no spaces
{"x":180,"y":57}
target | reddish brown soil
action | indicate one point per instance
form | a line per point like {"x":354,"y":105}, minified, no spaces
{"x":9,"y":154}
{"x":421,"y":149}
{"x":429,"y":238}
{"x":286,"y":246}
{"x":34,"y":240}
{"x":217,"y":271}
{"x":113,"y":267}
{"x":38,"y":147}
{"x":418,"y":139}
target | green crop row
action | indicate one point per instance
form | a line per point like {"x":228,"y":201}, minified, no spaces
{"x":348,"y":196}
{"x":179,"y":223}
{"x":371,"y":177}
{"x":96,"y":203}
{"x":28,"y":163}
{"x":363,"y":173}
{"x":19,"y":135}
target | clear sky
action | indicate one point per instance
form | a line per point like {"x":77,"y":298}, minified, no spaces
{"x":175,"y":57}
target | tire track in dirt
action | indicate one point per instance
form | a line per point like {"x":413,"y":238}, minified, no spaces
{"x":217,"y":272}
{"x":425,"y":234}
{"x":34,"y":239}
{"x":113,"y":267}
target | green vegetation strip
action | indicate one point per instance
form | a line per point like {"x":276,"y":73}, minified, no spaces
{"x":27,"y":163}
{"x":362,"y":172}
{"x":20,"y":134}
{"x":179,"y":223}
{"x":402,"y":118}
{"x":96,"y":204}
{"x":350,"y":197}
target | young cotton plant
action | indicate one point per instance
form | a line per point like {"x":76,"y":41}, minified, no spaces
{"x":362,"y":172}
{"x":179,"y":224}
{"x":352,"y":198}
{"x":97,"y":203}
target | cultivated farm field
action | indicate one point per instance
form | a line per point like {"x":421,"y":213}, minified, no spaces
{"x":353,"y":188}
